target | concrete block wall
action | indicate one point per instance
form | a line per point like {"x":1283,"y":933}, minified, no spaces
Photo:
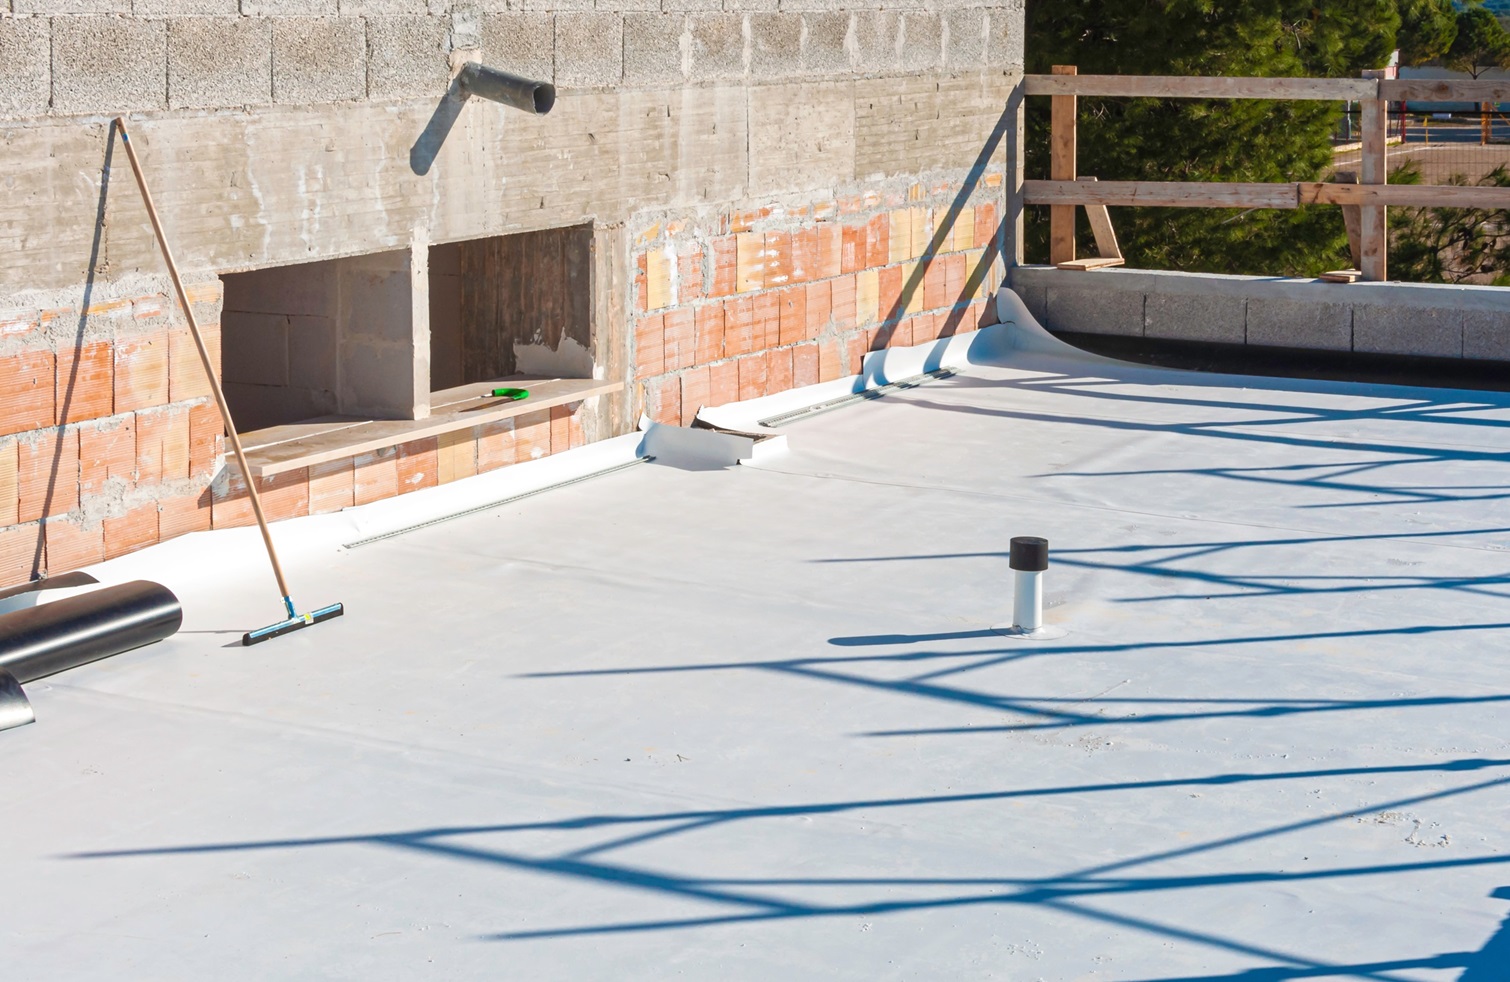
{"x":710,"y":122}
{"x":1424,"y":320}
{"x":752,"y":303}
{"x":69,"y":57}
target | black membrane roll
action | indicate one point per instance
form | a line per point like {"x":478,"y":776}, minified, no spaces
{"x":62,"y":634}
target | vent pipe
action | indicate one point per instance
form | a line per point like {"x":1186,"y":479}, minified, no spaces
{"x":529,"y":95}
{"x":1029,"y":561}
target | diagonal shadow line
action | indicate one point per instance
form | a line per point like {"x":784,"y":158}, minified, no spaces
{"x":1014,"y":652}
{"x":65,"y":404}
{"x":642,"y":837}
{"x":1054,"y":893}
{"x":1018,"y":704}
{"x":1126,"y":920}
{"x":1420,"y":454}
{"x":1461,"y":765}
{"x":942,"y":233}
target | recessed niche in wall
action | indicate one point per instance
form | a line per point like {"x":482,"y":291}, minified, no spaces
{"x":319,"y":339}
{"x":511,"y":305}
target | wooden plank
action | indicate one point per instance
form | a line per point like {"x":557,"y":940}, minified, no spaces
{"x":1192,"y":87}
{"x":1352,"y":215}
{"x":1373,"y":233}
{"x":1107,"y":246}
{"x":1342,"y":276}
{"x":1095,"y":262}
{"x":1407,"y":195}
{"x":1063,"y":157}
{"x":1162,"y":194}
{"x":1444,"y":90}
{"x":452,"y":410}
{"x":1017,"y":164}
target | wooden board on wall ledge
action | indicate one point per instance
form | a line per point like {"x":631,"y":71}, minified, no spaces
{"x":1087,"y":265}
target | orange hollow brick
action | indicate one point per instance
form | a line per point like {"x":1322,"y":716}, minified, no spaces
{"x":136,"y":529}
{"x":752,"y":376}
{"x":417,"y":465}
{"x":72,"y":543}
{"x":792,"y":307}
{"x":697,"y":391}
{"x":805,"y":365}
{"x":820,"y":307}
{"x":47,"y":474}
{"x":332,"y":486}
{"x":709,"y":325}
{"x":85,"y":382}
{"x":778,"y":370}
{"x":766,"y":330}
{"x":141,"y":372}
{"x":723,"y":383}
{"x":27,"y":393}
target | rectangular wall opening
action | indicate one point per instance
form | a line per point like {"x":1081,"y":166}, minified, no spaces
{"x":512,"y":305}
{"x":322,"y":339}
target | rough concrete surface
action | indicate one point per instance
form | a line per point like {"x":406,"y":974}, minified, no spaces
{"x":212,"y":62}
{"x":1300,"y":324}
{"x":589,"y":50}
{"x":318,"y":60}
{"x":1486,"y":335}
{"x":108,"y":64}
{"x":717,"y":46}
{"x":1194,"y":318}
{"x":653,"y":48}
{"x":826,"y":48}
{"x":407,"y":56}
{"x":1399,"y":330}
{"x":593,"y":735}
{"x":775,"y":46}
{"x":25,"y":54}
{"x":521,"y":43}
{"x":1092,"y":311}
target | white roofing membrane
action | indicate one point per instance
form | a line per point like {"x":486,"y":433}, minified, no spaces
{"x":754,"y":722}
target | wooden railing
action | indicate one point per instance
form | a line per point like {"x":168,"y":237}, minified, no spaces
{"x":1365,"y":203}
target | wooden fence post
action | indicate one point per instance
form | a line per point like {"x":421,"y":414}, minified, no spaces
{"x":1015,"y":246}
{"x":1064,"y":120}
{"x":1374,"y":226}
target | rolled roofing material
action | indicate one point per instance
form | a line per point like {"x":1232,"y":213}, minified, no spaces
{"x":54,"y":637}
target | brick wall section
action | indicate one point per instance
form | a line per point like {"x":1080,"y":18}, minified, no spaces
{"x":108,"y":438}
{"x":752,"y":303}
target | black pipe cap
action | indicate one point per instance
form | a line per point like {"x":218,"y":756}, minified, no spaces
{"x":1030,"y":553}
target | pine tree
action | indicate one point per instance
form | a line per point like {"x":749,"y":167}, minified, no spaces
{"x":1216,"y":140}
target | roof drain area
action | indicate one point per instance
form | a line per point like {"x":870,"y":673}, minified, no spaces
{"x":501,"y":502}
{"x":808,"y":412}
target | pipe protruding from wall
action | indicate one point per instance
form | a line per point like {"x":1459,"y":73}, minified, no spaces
{"x":527,"y":94}
{"x":1029,"y":560}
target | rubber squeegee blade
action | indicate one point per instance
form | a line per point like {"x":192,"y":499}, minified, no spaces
{"x":296,"y":623}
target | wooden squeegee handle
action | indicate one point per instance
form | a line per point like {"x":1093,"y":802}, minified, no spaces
{"x":204,"y":358}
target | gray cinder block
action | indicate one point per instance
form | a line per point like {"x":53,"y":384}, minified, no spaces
{"x":653,"y":48}
{"x":214,"y":61}
{"x":319,"y":60}
{"x":1392,"y":330}
{"x":407,"y":56}
{"x":966,"y":47}
{"x":589,"y":49}
{"x":775,"y":46}
{"x":521,"y":43}
{"x":825,"y":49}
{"x":186,"y":8}
{"x":1194,"y":317}
{"x":383,"y":8}
{"x":25,"y":66}
{"x":718,"y":46}
{"x":922,"y":41}
{"x":1486,"y":335}
{"x":1091,"y":311}
{"x":1286,"y":323}
{"x":289,"y":8}
{"x":875,"y":44}
{"x":69,"y":7}
{"x":108,"y":64}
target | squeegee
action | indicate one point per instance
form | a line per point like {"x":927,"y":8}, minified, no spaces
{"x":293,"y":620}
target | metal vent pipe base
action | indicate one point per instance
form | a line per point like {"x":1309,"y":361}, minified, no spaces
{"x":1045,"y":633}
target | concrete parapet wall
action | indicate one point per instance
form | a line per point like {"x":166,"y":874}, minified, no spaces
{"x":69,"y":57}
{"x":1427,"y":320}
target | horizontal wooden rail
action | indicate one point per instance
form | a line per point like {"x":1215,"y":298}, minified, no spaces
{"x":1443,"y":90}
{"x":1161,"y":194}
{"x":1188,"y":87}
{"x":1192,"y":194}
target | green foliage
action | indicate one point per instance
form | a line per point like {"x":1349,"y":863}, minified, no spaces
{"x":1427,"y":30}
{"x":1449,"y":245}
{"x":1180,"y":140}
{"x":1481,"y":43}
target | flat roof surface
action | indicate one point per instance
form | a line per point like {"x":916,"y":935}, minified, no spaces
{"x":755,"y":723}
